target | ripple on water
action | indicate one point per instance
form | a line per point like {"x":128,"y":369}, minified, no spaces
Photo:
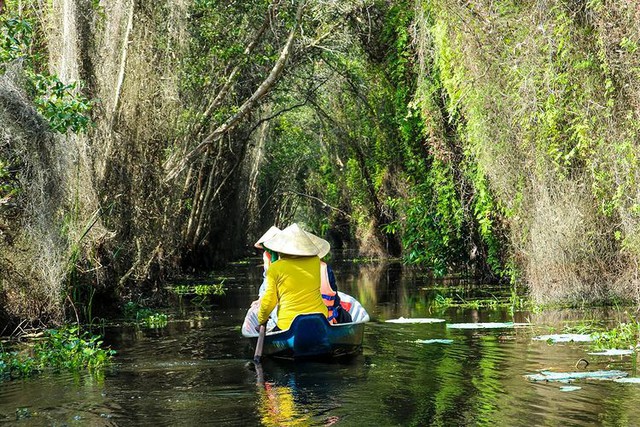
{"x":193,"y":372}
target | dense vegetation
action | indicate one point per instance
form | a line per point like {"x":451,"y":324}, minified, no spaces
{"x":63,"y":349}
{"x":491,"y":139}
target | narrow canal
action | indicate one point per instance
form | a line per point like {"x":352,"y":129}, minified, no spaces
{"x":195,"y":370}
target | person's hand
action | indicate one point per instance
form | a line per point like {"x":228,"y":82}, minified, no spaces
{"x":258,"y":327}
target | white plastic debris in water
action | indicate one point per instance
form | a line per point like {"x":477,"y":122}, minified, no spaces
{"x":416,"y":320}
{"x":434,"y":341}
{"x":567,"y":376}
{"x":612,"y":352}
{"x":570,"y":388}
{"x":632,"y":380}
{"x":486,"y":325}
{"x":564,"y":338}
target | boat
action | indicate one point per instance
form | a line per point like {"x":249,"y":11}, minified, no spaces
{"x":311,"y":335}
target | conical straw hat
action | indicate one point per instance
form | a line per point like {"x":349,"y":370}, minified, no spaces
{"x":293,"y":240}
{"x":323,"y":246}
{"x":266,"y":236}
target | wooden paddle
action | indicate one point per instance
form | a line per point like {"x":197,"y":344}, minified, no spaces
{"x":258,"y":354}
{"x":259,"y":344}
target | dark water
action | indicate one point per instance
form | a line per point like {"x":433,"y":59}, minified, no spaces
{"x":194,"y":371}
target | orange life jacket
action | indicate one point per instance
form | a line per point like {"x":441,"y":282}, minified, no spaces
{"x":328,"y":294}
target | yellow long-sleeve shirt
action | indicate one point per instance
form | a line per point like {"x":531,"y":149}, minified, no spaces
{"x":293,"y":284}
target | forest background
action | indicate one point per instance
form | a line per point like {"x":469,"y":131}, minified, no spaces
{"x":145,"y":140}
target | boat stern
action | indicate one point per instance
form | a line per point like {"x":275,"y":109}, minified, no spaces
{"x":311,"y":336}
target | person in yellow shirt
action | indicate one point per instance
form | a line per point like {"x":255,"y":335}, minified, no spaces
{"x":293,"y":283}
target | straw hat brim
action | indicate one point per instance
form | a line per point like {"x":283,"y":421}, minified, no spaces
{"x":293,"y":240}
{"x":323,"y":246}
{"x":271,"y":232}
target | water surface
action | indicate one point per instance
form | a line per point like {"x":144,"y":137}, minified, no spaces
{"x":195,"y":371}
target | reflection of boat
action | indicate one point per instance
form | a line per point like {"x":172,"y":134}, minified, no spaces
{"x":311,"y":335}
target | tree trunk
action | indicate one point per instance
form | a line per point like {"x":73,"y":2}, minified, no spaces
{"x":246,"y":107}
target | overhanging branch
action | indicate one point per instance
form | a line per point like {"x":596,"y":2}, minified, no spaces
{"x":246,"y":107}
{"x":324,"y":204}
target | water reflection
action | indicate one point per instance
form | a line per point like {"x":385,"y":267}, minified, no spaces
{"x":195,"y":372}
{"x":307,"y":394}
{"x":278,"y":407}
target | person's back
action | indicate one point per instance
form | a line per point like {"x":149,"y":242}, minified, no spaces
{"x":294,"y":285}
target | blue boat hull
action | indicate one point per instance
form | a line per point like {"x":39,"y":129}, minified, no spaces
{"x":311,"y":335}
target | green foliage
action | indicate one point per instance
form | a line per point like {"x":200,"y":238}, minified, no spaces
{"x":62,"y":105}
{"x":73,"y":350}
{"x":219,"y":33}
{"x":216,"y":289}
{"x":514,"y":302}
{"x":16,"y":365}
{"x":144,"y":316}
{"x":433,"y":228}
{"x":15,"y":38}
{"x":443,"y":302}
{"x":182,"y":290}
{"x":200,"y":293}
{"x":517,"y":302}
{"x":486,"y":212}
{"x":387,"y":154}
{"x":623,"y":336}
{"x":200,"y":290}
{"x":7,"y":186}
{"x":155,"y":320}
{"x":61,"y":349}
{"x":462,"y":193}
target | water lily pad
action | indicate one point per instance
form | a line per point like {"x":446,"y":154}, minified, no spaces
{"x":570,"y":388}
{"x":416,"y":320}
{"x":566,"y":376}
{"x":612,"y":352}
{"x":434,"y":341}
{"x":564,"y":338}
{"x":631,"y":380}
{"x":486,"y":325}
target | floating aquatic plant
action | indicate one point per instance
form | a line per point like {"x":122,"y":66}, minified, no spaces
{"x":145,"y":316}
{"x":625,"y":335}
{"x":569,"y":376}
{"x":415,"y":320}
{"x":562,"y":338}
{"x":66,"y":348}
{"x":434,"y":341}
{"x":570,"y":388}
{"x":486,"y":325}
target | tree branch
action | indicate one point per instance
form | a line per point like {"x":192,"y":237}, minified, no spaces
{"x":287,"y":109}
{"x":324,"y":204}
{"x":222,"y":93}
{"x":123,"y":65}
{"x":247,"y":106}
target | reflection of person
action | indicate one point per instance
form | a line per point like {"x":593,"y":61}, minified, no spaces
{"x":328,"y":286}
{"x":292,"y":282}
{"x":278,"y":407}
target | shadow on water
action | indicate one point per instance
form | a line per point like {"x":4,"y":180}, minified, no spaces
{"x":195,"y":370}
